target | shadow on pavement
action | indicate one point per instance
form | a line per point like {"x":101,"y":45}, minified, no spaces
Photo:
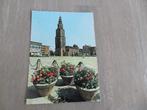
{"x":68,"y":95}
{"x":32,"y":92}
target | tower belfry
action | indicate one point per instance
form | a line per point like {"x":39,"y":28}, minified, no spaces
{"x":60,"y":39}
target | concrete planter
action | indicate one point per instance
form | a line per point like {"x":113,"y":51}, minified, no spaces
{"x":67,"y":79}
{"x":87,"y":94}
{"x":45,"y":89}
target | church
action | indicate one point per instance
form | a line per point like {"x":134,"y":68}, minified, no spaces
{"x":61,"y":49}
{"x":60,"y":42}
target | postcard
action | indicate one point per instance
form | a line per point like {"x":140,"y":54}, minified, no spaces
{"x":62,"y":58}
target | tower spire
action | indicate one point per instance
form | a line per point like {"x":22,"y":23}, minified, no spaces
{"x":60,"y":25}
{"x":60,"y":19}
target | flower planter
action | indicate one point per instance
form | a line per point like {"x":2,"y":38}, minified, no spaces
{"x":87,"y":94}
{"x":45,"y":89}
{"x":67,"y":71}
{"x":67,"y":79}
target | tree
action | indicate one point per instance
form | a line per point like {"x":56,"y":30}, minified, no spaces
{"x":52,"y":53}
{"x":75,"y":46}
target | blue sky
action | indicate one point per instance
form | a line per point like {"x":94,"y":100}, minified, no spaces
{"x":79,"y":28}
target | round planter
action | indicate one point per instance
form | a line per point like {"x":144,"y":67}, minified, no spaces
{"x":87,"y":94}
{"x":45,"y":89}
{"x":67,"y":79}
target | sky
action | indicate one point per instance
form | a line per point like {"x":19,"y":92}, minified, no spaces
{"x":79,"y":28}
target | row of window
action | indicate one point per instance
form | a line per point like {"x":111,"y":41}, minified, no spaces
{"x":36,"y":46}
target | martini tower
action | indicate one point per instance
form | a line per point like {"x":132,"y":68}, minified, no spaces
{"x":60,"y":39}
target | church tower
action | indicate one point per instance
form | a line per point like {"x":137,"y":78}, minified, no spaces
{"x":60,"y":39}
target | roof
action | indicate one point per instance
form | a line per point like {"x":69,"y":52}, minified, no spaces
{"x":68,"y":47}
{"x":35,"y":43}
{"x":45,"y":45}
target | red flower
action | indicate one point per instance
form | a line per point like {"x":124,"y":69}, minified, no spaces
{"x":50,"y":74}
{"x":54,"y":74}
{"x":62,"y":70}
{"x":38,"y":79}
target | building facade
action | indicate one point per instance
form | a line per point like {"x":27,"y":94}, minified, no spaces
{"x":71,"y":51}
{"x":35,"y":48}
{"x":86,"y":50}
{"x":89,"y":50}
{"x":45,"y":50}
{"x":93,"y":51}
{"x":60,"y":39}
